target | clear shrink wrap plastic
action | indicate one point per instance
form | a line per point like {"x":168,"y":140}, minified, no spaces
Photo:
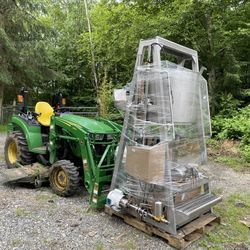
{"x":163,"y":139}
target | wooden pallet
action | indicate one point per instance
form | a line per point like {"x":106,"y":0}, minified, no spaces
{"x":186,"y":235}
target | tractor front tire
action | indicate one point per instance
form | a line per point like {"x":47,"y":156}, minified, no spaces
{"x":64,"y":178}
{"x":16,"y":150}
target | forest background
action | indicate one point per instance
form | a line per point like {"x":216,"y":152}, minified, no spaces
{"x":45,"y":46}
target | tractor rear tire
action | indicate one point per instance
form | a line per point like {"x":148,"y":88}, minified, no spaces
{"x":64,"y":178}
{"x":16,"y":150}
{"x":26,"y":156}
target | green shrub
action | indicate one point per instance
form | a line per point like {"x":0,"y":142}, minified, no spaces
{"x":105,"y":97}
{"x":231,"y":128}
{"x":235,"y":126}
{"x":229,"y":106}
{"x":245,"y":151}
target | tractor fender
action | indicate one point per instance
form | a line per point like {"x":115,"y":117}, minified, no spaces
{"x":32,"y":133}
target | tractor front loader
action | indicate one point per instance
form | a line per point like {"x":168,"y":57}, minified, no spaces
{"x":63,"y":148}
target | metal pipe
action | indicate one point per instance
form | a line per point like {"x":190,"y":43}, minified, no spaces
{"x":143,"y":213}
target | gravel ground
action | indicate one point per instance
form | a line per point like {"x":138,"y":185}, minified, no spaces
{"x":38,"y":219}
{"x":226,"y":181}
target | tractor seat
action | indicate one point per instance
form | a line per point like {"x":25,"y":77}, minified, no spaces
{"x":44,"y":111}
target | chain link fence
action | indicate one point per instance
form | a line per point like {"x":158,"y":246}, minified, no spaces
{"x":6,"y":114}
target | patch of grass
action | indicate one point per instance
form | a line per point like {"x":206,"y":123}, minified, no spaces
{"x":47,"y":199}
{"x":44,"y":197}
{"x":16,"y":242}
{"x":52,"y":206}
{"x":99,"y":246}
{"x":21,"y":212}
{"x":229,"y":153}
{"x":231,"y":231}
{"x":130,"y":245}
{"x":217,"y":191}
{"x":3,"y":128}
{"x":213,"y":144}
{"x":236,"y":163}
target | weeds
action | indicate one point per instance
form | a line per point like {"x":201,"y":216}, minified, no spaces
{"x":16,"y":242}
{"x":43,"y":197}
{"x":238,"y":164}
{"x":21,"y":212}
{"x":231,"y":231}
{"x":99,"y":246}
{"x":127,"y":245}
{"x":227,"y":152}
{"x":3,"y":128}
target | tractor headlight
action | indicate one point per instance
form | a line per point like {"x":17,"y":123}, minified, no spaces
{"x":99,"y":137}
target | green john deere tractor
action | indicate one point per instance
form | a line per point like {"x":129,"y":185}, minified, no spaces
{"x":63,"y":148}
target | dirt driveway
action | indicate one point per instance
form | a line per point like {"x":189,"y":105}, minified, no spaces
{"x":38,"y":219}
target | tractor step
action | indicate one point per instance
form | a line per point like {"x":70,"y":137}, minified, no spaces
{"x":40,"y":150}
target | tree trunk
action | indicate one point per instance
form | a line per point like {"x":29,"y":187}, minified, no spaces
{"x":211,"y":53}
{"x":1,"y":101}
{"x":2,"y":62}
{"x":211,"y":87}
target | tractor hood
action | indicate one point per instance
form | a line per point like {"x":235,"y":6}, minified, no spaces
{"x":100,"y":126}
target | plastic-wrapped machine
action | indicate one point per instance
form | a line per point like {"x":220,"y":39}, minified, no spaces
{"x":167,"y":119}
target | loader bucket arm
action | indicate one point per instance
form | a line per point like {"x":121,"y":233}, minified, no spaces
{"x":97,"y":166}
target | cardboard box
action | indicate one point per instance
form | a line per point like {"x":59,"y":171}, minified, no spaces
{"x":146,"y":163}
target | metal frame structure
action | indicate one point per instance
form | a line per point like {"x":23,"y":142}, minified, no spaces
{"x":180,"y":52}
{"x":121,"y":198}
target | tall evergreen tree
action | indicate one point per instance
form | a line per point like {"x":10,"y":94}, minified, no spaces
{"x":22,"y":51}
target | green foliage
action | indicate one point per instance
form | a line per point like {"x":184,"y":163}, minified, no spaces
{"x":21,"y":212}
{"x":46,"y":45}
{"x":229,"y":106}
{"x":68,"y":53}
{"x":23,"y":54}
{"x":3,"y":128}
{"x":232,"y":128}
{"x":105,"y":97}
{"x":246,"y":152}
{"x":236,"y":163}
{"x":235,"y":126}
